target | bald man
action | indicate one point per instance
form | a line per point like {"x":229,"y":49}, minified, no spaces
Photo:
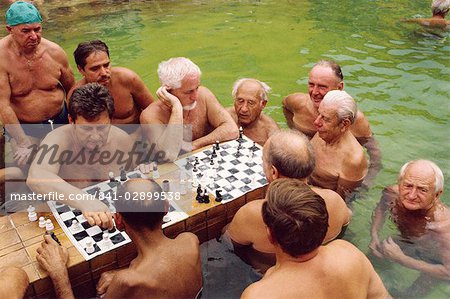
{"x":341,"y":164}
{"x":422,"y":219}
{"x":250,"y":97}
{"x":164,"y":267}
{"x":285,"y":154}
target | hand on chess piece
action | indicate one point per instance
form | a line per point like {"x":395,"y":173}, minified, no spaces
{"x":97,"y":213}
{"x":145,"y":168}
{"x":105,"y":281}
{"x":52,"y":257}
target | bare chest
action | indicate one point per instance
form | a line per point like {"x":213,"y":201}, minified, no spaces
{"x":197,"y":120}
{"x":124,"y":104}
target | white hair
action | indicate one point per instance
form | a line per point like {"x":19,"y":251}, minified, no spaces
{"x":438,"y":175}
{"x":440,"y":7}
{"x":345,"y":104}
{"x":263,"y":92}
{"x":174,"y":70}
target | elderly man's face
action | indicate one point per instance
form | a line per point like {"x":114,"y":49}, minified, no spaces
{"x":417,"y":187}
{"x":93,"y":134}
{"x":27,"y":36}
{"x":248,"y":104}
{"x":97,"y":68}
{"x":321,"y":81}
{"x":327,"y":123}
{"x":188,"y":92}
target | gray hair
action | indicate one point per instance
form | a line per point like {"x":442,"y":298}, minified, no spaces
{"x":333,"y":66}
{"x":440,"y":7}
{"x":291,"y":153}
{"x":263,"y":92}
{"x":345,"y":104}
{"x":438,"y":175}
{"x":174,"y":70}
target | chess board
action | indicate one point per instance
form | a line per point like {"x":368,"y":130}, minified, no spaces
{"x":234,"y":172}
{"x":79,"y":234}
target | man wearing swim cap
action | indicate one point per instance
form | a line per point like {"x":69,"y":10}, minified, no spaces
{"x":34,"y":77}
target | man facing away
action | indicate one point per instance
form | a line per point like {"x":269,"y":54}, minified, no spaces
{"x":32,"y":89}
{"x":439,"y":9}
{"x":297,"y":220}
{"x":285,"y":154}
{"x":250,"y":97}
{"x":129,"y":92}
{"x":341,"y":164}
{"x":423,"y":222}
{"x":163,"y":268}
{"x":301,"y":110}
{"x":78,"y":155}
{"x":184,"y":104}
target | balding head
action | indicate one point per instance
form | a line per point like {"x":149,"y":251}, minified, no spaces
{"x":426,"y":169}
{"x":344,"y":103}
{"x":288,"y":153}
{"x":141,"y":203}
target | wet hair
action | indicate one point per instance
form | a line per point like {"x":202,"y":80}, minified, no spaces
{"x":345,"y":104}
{"x":440,"y":7}
{"x":85,"y":49}
{"x":263,"y":91}
{"x":89,"y":101}
{"x":146,"y":212}
{"x":291,"y":153}
{"x":296,"y":216}
{"x":333,"y":66}
{"x":438,"y":175}
{"x":172,"y":72}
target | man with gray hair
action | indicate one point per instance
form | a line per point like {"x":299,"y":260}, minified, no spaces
{"x":423,"y":222}
{"x":301,"y":109}
{"x":286,"y":154}
{"x":439,"y":9}
{"x":341,"y":164}
{"x":184,"y":103}
{"x":250,"y":97}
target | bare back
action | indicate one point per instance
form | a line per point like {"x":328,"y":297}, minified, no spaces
{"x":339,"y":270}
{"x":173,"y":270}
{"x":36,"y":86}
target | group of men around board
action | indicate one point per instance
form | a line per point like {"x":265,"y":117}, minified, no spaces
{"x":312,"y":169}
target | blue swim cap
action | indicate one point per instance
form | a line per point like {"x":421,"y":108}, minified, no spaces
{"x":22,"y":13}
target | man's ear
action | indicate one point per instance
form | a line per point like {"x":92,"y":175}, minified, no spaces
{"x":9,"y":28}
{"x":345,"y":123}
{"x":269,"y":236}
{"x":118,"y":219}
{"x":341,"y":85}
{"x":275,"y":173}
{"x":263,"y":104}
{"x":81,"y":70}
{"x":71,"y":121}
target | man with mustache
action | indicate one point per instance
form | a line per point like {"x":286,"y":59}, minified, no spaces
{"x":129,"y":92}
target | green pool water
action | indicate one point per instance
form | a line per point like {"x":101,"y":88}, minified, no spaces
{"x":398,"y":73}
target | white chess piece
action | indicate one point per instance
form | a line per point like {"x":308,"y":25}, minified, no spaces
{"x":106,"y":241}
{"x":75,"y":224}
{"x":155,"y":172}
{"x":41,"y":222}
{"x":166,"y":218}
{"x":49,"y":225}
{"x":183,"y":187}
{"x":89,"y":245}
{"x":32,"y":216}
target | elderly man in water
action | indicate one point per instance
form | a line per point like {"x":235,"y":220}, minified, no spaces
{"x":440,"y":9}
{"x":341,"y":164}
{"x":250,"y":97}
{"x":422,"y":219}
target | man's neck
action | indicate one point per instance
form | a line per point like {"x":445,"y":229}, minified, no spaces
{"x":146,"y":240}
{"x":284,"y":258}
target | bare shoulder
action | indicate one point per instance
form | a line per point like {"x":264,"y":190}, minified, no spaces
{"x":124,"y":74}
{"x":295,"y":101}
{"x":126,"y":284}
{"x":232,"y":112}
{"x":328,"y":195}
{"x":53,"y":49}
{"x":250,"y":210}
{"x":153,"y":114}
{"x":269,"y":122}
{"x":253,"y":291}
{"x":361,"y":126}
{"x":188,"y":239}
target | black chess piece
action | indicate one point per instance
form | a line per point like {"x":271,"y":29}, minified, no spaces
{"x":217,"y":145}
{"x":218,"y":196}
{"x":199,"y":196}
{"x":213,"y":155}
{"x":241,"y":132}
{"x":195,"y":168}
{"x":206,"y":197}
{"x":54,"y":237}
{"x":123,"y":175}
